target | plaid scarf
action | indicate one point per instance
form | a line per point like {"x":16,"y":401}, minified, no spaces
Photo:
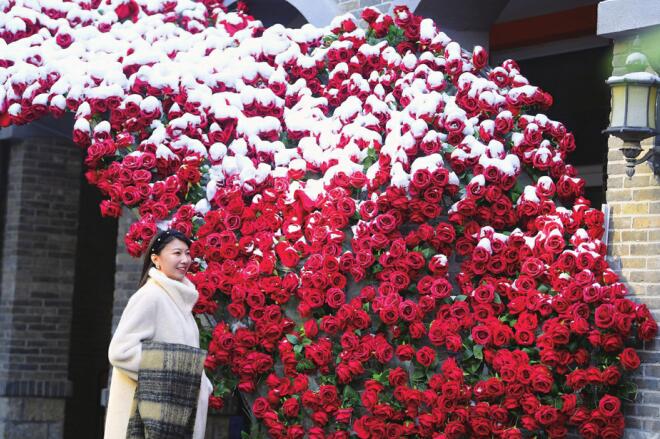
{"x":165,"y":402}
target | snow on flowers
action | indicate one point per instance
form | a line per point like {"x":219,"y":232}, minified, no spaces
{"x":385,"y":229}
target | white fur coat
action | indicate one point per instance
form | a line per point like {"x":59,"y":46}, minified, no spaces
{"x":160,"y":311}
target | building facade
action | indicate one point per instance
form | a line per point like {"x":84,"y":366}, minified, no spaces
{"x":66,"y":275}
{"x":634,"y":228}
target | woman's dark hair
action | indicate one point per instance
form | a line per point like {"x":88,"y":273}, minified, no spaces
{"x":159,"y":242}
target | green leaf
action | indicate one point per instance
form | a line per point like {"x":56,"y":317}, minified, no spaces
{"x":370,"y":159}
{"x":428,"y":252}
{"x":329,"y":39}
{"x":508,"y":318}
{"x":292,"y":339}
{"x":461,"y":297}
{"x":394,"y":35}
{"x":447,"y":148}
{"x":327,"y":379}
{"x":350,"y":395}
{"x":478,"y":352}
{"x":304,"y":365}
{"x":473,"y":366}
{"x":298,"y":348}
{"x":529,"y":351}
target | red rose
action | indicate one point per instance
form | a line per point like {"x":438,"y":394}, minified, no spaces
{"x":609,"y":405}
{"x":611,"y":375}
{"x":629,"y":359}
{"x":319,"y":418}
{"x":369,"y":399}
{"x":287,"y":255}
{"x":291,"y":407}
{"x":383,"y":352}
{"x":481,"y":335}
{"x":542,"y":380}
{"x":348,"y":26}
{"x":604,"y":316}
{"x":335,"y":297}
{"x":612,"y":343}
{"x":546,"y":415}
{"x":329,"y":324}
{"x":569,"y":402}
{"x":524,"y":337}
{"x":589,"y":429}
{"x":421,"y":179}
{"x":512,"y":433}
{"x":63,"y":39}
{"x":216,"y":403}
{"x":533,"y":267}
{"x":295,"y":432}
{"x":648,"y":330}
{"x":260,"y":407}
{"x":370,"y":15}
{"x":504,"y":122}
{"x":425,"y":356}
{"x":480,"y":426}
{"x":110,"y":209}
{"x":405,"y":352}
{"x":397,"y":377}
{"x":343,"y":415}
{"x":479,"y":57}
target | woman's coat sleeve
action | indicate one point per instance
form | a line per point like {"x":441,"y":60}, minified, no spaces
{"x":136,"y":325}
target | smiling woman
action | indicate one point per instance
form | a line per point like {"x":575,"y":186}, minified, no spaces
{"x":170,"y":253}
{"x":159,"y":312}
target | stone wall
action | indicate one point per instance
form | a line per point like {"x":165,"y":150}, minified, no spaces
{"x":38,"y":264}
{"x":634,"y":252}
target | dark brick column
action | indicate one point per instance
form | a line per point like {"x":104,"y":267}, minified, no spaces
{"x":38,"y":264}
{"x":127,"y":274}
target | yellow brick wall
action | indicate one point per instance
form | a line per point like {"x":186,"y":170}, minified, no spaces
{"x":634,"y":253}
{"x":634,"y":233}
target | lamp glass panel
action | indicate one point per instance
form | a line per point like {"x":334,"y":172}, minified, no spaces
{"x":618,"y":105}
{"x":653,"y":96}
{"x":638,"y":105}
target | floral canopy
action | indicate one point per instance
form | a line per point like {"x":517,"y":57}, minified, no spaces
{"x":385,"y":228}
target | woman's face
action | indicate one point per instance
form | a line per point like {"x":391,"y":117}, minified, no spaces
{"x":174,"y":260}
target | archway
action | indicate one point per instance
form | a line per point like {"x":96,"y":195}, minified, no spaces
{"x":293,"y":13}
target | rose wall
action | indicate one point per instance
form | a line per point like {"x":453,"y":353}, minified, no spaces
{"x":386,"y":229}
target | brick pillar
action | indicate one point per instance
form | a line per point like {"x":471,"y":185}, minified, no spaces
{"x":634,"y":252}
{"x":127,"y":276}
{"x":38,"y":264}
{"x":128,"y":270}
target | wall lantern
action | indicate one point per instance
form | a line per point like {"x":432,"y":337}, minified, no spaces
{"x":633,"y":116}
